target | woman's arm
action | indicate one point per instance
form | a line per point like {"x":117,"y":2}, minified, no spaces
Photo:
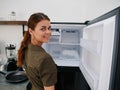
{"x":49,"y":88}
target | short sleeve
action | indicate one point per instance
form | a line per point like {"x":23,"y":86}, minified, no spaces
{"x":48,"y":71}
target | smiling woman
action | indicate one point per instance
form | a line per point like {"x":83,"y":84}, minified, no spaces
{"x":41,"y":34}
{"x":39,"y":65}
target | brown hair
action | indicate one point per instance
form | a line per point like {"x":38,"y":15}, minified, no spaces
{"x":32,"y":22}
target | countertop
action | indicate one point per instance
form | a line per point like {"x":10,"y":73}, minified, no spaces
{"x":4,"y":85}
{"x":11,"y":86}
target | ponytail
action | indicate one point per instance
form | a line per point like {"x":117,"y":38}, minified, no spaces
{"x":23,"y":47}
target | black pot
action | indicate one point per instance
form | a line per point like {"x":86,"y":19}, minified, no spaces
{"x":15,"y":76}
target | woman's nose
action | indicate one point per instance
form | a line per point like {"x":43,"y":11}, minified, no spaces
{"x":48,"y":31}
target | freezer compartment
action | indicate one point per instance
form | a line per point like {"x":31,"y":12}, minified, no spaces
{"x":64,"y":52}
{"x":55,"y":35}
{"x":70,"y":52}
{"x":54,"y":50}
{"x":64,"y":44}
{"x":54,"y":39}
{"x":65,"y":36}
{"x":70,"y":36}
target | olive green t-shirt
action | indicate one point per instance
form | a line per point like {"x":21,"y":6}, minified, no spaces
{"x":40,"y":67}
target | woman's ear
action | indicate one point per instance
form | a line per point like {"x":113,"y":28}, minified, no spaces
{"x":30,"y":31}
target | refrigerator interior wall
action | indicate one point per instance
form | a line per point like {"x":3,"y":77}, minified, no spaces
{"x":64,"y":44}
{"x":96,"y":53}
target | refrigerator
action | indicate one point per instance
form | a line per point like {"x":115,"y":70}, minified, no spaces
{"x":93,"y":47}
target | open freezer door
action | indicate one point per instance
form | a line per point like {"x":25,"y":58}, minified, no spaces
{"x":96,"y":53}
{"x":64,"y":43}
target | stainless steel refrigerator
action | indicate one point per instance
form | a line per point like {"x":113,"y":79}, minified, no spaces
{"x":93,"y":46}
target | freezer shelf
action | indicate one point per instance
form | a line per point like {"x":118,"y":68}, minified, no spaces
{"x":90,"y":67}
{"x":70,"y":36}
{"x":54,"y":39}
{"x":93,"y":46}
{"x":64,"y":52}
{"x":69,"y":63}
{"x":91,"y":78}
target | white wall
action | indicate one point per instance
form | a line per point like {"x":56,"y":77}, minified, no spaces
{"x":96,"y":8}
{"x":57,"y":10}
{"x":11,"y":34}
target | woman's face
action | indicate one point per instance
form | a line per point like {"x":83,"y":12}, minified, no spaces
{"x":42,"y":33}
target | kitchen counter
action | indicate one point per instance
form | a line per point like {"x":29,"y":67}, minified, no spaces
{"x":11,"y":86}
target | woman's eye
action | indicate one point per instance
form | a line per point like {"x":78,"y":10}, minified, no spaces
{"x":45,"y":29}
{"x":42,"y":29}
{"x":49,"y":28}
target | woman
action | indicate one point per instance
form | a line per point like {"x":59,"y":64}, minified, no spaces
{"x":39,"y":65}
